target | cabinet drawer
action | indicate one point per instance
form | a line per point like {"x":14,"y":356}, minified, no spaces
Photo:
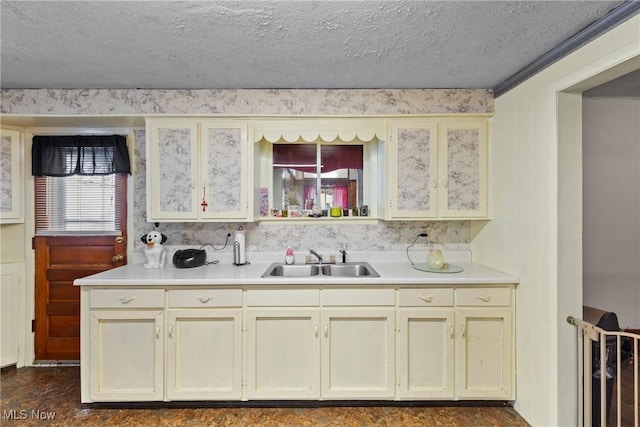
{"x":483,"y":296}
{"x":425,"y":297}
{"x":126,"y":298}
{"x":282,"y":297}
{"x":190,"y":298}
{"x":357,"y":297}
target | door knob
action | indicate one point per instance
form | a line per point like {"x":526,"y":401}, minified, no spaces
{"x":117,"y":258}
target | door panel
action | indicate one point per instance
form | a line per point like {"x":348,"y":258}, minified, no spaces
{"x":59,"y":261}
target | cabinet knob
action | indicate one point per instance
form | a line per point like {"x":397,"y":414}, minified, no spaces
{"x":117,"y":258}
{"x":326,"y":330}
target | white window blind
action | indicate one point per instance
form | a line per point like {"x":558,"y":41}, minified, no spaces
{"x":80,"y":204}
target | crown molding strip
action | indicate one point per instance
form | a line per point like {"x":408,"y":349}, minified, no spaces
{"x":617,"y":16}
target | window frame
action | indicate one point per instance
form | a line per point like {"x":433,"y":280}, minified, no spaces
{"x":371,"y":175}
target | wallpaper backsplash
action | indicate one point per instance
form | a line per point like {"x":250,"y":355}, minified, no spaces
{"x":383,"y":236}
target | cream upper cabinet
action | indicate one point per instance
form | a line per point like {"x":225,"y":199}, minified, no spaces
{"x":412,"y":162}
{"x":462,"y":168}
{"x":436,"y":168}
{"x":12,"y":164}
{"x":198,"y":170}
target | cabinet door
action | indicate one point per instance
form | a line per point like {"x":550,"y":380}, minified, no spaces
{"x":412,"y":169}
{"x":358,"y":353}
{"x":11,"y":155}
{"x":11,"y":275}
{"x":283,"y":354}
{"x":484,"y":354}
{"x":224,"y":169}
{"x":204,"y":358}
{"x":126,"y":355}
{"x":173,"y":190}
{"x":463,"y":169}
{"x":425,"y":354}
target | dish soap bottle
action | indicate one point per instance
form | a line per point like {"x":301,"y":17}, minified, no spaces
{"x":288,"y":257}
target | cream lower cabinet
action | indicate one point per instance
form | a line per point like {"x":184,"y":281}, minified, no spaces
{"x":425,"y":354}
{"x":370,"y":343}
{"x":455,"y":344}
{"x":283,"y":354}
{"x":204,"y":344}
{"x":11,"y":277}
{"x":358,"y":357}
{"x":484,"y":357}
{"x":283,"y":344}
{"x":425,"y":343}
{"x":127,"y":346}
{"x":342,"y":348}
{"x":484,"y":343}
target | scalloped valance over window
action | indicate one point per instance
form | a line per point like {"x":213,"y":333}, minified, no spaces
{"x":327,"y":130}
{"x":79,"y":155}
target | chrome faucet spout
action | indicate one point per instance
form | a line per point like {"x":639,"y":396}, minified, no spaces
{"x":316,"y":254}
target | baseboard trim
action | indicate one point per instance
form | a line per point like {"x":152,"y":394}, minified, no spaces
{"x":299,"y":404}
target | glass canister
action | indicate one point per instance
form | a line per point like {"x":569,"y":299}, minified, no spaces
{"x":435,"y":260}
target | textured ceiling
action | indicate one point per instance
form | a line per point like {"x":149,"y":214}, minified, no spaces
{"x":280,"y":44}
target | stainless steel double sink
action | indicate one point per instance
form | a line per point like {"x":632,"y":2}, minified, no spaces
{"x":349,"y":269}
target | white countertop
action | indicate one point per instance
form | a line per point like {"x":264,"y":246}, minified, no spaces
{"x":394,"y":272}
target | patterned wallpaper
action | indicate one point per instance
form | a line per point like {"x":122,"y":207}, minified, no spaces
{"x":383,"y":236}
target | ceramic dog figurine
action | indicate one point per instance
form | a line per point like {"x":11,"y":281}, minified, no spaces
{"x":155,"y":253}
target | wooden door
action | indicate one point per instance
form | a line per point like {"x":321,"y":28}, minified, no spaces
{"x":59,"y":261}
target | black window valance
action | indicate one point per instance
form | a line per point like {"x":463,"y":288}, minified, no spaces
{"x":79,"y":155}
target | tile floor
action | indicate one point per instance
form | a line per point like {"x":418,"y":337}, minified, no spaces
{"x":50,"y":396}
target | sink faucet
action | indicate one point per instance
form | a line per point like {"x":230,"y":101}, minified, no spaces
{"x":311,"y":251}
{"x":344,"y":256}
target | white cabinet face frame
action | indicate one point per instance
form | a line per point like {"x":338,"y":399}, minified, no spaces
{"x":283,"y":353}
{"x":127,"y":355}
{"x":425,"y":353}
{"x":11,"y":169}
{"x":358,"y":353}
{"x":412,"y":169}
{"x":462,"y":168}
{"x":204,"y":354}
{"x":484,"y":353}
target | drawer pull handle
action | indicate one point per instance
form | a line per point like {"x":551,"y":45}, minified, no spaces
{"x":126,"y":300}
{"x":426,"y":299}
{"x":171,"y":331}
{"x":464,"y":330}
{"x":315,"y":329}
{"x":451,"y":331}
{"x":158,"y":331}
{"x":484,"y":298}
{"x":205,"y":300}
{"x":326,"y":330}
